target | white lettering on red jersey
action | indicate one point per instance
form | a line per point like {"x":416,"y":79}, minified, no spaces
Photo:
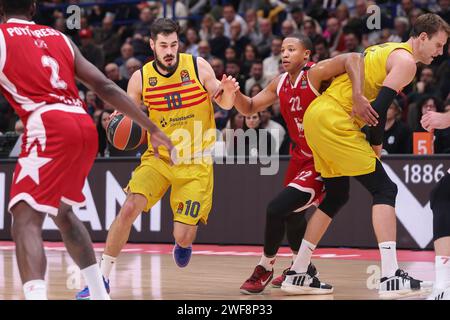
{"x":294,"y":100}
{"x":36,"y":67}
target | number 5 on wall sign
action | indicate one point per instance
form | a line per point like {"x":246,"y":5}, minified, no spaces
{"x":423,"y":143}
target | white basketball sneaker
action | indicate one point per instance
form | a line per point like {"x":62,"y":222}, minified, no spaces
{"x":401,"y":285}
{"x":440,"y":294}
{"x":304,"y":283}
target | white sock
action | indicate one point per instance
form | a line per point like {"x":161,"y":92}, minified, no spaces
{"x":35,"y":290}
{"x":267,"y":263}
{"x":442,"y":271}
{"x":388,"y":254}
{"x":294,"y":256}
{"x":94,"y":281}
{"x":106,"y":265}
{"x":303,"y":259}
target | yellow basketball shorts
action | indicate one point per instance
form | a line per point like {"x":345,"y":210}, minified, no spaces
{"x":192,"y":187}
{"x":339,"y":147}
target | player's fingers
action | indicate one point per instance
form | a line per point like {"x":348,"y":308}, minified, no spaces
{"x":426,"y":116}
{"x":372,"y":111}
{"x":425,"y":124}
{"x":373,"y":120}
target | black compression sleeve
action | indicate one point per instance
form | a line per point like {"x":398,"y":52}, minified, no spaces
{"x":381,"y":105}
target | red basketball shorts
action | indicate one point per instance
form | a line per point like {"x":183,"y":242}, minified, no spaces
{"x":59,"y":146}
{"x":302,"y":176}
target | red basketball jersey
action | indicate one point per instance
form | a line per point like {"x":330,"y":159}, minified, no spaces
{"x":36,"y":67}
{"x":294,"y":99}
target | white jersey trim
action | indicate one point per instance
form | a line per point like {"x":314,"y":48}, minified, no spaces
{"x":14,"y":20}
{"x":280,"y":82}
{"x":68,"y":44}
{"x":36,"y":128}
{"x":312,"y":87}
{"x":73,"y":203}
{"x":306,"y":153}
{"x":306,"y":190}
{"x":298,"y":79}
{"x":26,"y":103}
{"x":32,"y":203}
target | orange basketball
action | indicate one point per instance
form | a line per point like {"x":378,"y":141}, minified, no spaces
{"x":125,"y":134}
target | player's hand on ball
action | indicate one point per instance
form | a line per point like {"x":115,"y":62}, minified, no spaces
{"x":363,"y":109}
{"x":112,"y":115}
{"x":159,"y":138}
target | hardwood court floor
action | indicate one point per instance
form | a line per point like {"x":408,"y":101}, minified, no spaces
{"x":215,"y":272}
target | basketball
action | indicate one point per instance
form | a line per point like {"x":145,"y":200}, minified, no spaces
{"x":125,"y":134}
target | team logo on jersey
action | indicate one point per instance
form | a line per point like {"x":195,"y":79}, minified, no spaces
{"x":184,"y":74}
{"x":163,"y":122}
{"x":152,"y":81}
{"x":304,"y":83}
{"x":180,"y":207}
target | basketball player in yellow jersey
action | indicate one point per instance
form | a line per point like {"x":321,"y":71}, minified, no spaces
{"x":340,"y":150}
{"x":177,"y":90}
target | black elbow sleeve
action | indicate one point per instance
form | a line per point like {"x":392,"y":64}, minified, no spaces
{"x":381,"y":105}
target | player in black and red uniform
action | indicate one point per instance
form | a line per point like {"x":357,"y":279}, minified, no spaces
{"x":38,"y":66}
{"x":295,"y":89}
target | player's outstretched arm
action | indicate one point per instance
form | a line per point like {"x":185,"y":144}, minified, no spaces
{"x":213,"y":86}
{"x":264,"y":99}
{"x":435,"y":120}
{"x":108,"y":91}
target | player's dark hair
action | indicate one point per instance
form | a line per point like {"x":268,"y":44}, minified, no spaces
{"x":431,"y":24}
{"x":16,"y":6}
{"x":305,"y":41}
{"x":163,"y":26}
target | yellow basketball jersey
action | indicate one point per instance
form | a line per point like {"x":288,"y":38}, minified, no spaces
{"x":375,"y":58}
{"x":180,"y":106}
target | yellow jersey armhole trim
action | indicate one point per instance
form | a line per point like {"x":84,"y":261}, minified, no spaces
{"x":194,"y":61}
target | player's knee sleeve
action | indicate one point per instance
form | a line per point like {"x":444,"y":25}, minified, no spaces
{"x":380,"y":186}
{"x":440,"y":204}
{"x":334,"y":200}
{"x":386,"y":193}
{"x":286,"y":202}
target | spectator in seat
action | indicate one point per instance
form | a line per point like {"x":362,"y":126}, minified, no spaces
{"x":219,"y":42}
{"x":397,"y":134}
{"x":112,"y":73}
{"x":271,"y":64}
{"x":92,"y":52}
{"x":256,"y":77}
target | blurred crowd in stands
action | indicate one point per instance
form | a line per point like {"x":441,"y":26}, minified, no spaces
{"x":243,"y":39}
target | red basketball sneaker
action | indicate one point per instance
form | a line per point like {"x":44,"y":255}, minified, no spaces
{"x":258,"y":281}
{"x":276,"y":283}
